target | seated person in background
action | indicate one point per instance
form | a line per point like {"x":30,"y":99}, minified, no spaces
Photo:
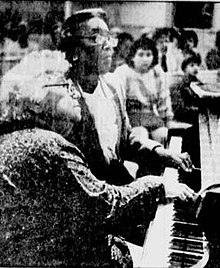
{"x":186,"y":107}
{"x":122,"y":50}
{"x":144,"y":84}
{"x":161,"y":38}
{"x":54,"y":211}
{"x":184,"y":100}
{"x":167,"y":43}
{"x":212,"y":59}
{"x":188,"y":42}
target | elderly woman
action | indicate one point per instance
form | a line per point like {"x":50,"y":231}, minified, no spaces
{"x":88,"y":47}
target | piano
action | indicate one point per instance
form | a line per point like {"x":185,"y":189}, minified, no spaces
{"x":175,"y":238}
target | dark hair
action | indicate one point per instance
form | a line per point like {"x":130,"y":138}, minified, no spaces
{"x":142,"y":43}
{"x":174,"y":33}
{"x":161,"y":31}
{"x":123,"y":37}
{"x":72,"y":25}
{"x":186,"y":35}
{"x":192,"y":58}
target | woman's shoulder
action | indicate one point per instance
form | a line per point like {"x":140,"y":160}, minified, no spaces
{"x":123,"y":67}
{"x":124,"y":71}
{"x":39,"y":139}
{"x":36,"y":137}
{"x":37,"y":149}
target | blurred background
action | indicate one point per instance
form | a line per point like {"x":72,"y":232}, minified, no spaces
{"x":32,"y":25}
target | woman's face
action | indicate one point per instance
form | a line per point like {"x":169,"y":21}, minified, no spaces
{"x":143,"y":60}
{"x":64,"y":109}
{"x":96,"y":47}
{"x":53,"y":107}
{"x":68,"y":105}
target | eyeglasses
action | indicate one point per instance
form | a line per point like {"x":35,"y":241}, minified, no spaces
{"x":98,"y":39}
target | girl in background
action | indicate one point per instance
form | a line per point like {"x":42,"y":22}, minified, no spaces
{"x":144,"y":84}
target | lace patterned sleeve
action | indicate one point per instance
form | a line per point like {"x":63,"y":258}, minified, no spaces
{"x":135,"y":200}
{"x":132,"y":201}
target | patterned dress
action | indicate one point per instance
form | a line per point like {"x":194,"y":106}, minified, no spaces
{"x":54,"y":212}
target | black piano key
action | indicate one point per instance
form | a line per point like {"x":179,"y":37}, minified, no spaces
{"x":182,"y":259}
{"x":183,"y":216}
{"x":188,"y":246}
{"x":186,"y":230}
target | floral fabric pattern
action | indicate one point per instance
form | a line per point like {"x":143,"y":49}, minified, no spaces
{"x":54,"y":212}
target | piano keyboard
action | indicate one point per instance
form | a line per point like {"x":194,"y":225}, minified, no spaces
{"x":174,"y":238}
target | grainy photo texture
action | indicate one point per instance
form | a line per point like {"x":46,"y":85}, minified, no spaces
{"x":109,"y":134}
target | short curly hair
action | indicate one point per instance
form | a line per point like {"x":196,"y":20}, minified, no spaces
{"x":145,"y":44}
{"x":186,"y":35}
{"x":192,"y":58}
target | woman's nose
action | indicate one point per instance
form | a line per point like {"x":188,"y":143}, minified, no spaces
{"x":107,"y":45}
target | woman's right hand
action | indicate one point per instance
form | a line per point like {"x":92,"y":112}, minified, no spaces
{"x":180,"y":190}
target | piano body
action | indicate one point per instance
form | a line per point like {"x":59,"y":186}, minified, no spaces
{"x":175,"y":238}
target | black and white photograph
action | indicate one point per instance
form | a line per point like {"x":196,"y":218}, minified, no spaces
{"x":109,"y":134}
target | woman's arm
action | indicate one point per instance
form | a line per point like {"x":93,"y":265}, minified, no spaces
{"x":135,"y":201}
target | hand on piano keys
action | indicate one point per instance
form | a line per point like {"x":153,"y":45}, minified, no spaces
{"x":175,"y":189}
{"x":175,"y":159}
